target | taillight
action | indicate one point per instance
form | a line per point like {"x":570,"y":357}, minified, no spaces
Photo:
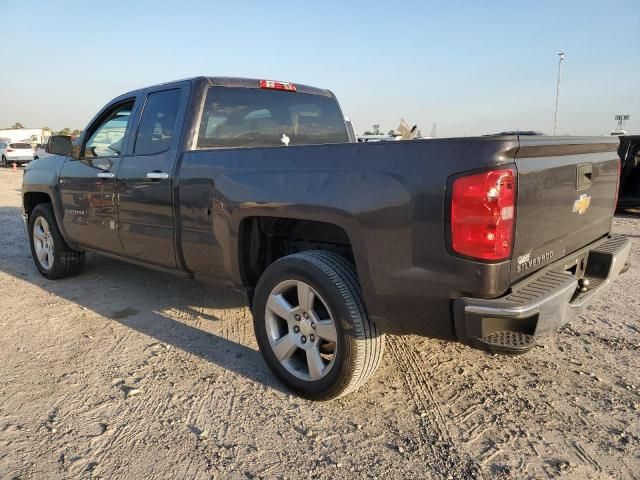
{"x":274,"y":85}
{"x":9,"y":149}
{"x":483,"y":208}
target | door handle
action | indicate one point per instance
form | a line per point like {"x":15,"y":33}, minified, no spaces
{"x":106,"y":175}
{"x":157,"y":176}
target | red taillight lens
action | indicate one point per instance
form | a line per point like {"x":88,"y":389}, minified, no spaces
{"x":483,"y":208}
{"x":9,"y":149}
{"x":274,"y":85}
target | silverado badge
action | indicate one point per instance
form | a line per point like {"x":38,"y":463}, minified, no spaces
{"x":582,"y":204}
{"x":525,"y":262}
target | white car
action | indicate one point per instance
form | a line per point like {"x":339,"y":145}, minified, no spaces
{"x":16,"y":152}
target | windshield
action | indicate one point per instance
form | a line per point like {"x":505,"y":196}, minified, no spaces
{"x":250,"y":117}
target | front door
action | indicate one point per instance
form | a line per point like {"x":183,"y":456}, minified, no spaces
{"x":145,"y":183}
{"x":88,"y":184}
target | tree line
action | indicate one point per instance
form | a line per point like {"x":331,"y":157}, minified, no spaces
{"x":64,"y":131}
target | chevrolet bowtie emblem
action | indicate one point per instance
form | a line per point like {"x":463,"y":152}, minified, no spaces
{"x":582,"y":204}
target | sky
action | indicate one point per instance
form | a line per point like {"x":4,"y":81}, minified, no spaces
{"x":470,"y":67}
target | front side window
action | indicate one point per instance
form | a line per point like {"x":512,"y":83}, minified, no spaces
{"x":107,"y":139}
{"x":251,"y":117}
{"x":158,"y":122}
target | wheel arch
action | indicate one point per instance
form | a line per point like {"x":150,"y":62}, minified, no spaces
{"x":31,"y":200}
{"x":263,"y":239}
{"x":38,"y":194}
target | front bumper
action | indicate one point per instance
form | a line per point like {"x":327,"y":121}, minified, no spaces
{"x":541,"y":303}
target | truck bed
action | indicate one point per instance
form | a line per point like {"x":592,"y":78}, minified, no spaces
{"x":390,"y":199}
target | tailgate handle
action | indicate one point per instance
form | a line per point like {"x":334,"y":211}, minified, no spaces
{"x":584,"y":173}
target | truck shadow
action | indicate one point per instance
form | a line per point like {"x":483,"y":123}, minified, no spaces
{"x":627,"y":212}
{"x":206,"y":321}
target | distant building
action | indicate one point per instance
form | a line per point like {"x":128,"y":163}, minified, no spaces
{"x":26,"y":135}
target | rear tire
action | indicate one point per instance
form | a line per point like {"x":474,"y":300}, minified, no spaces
{"x":4,"y":162}
{"x":327,"y":346}
{"x":52,"y":256}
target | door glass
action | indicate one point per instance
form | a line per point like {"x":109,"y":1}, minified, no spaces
{"x":158,"y":122}
{"x":107,"y":139}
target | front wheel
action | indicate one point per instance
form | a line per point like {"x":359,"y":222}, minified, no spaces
{"x":312,"y":327}
{"x":52,"y":256}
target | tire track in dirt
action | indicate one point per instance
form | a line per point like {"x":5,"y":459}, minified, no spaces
{"x":436,"y":436}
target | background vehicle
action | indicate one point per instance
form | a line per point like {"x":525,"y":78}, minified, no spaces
{"x":253,"y":184}
{"x":629,"y":152}
{"x":19,"y":153}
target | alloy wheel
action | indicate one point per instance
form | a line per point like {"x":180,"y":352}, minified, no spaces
{"x":43,"y":242}
{"x":301,"y":330}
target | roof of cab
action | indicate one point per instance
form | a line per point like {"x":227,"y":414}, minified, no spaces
{"x":237,"y":82}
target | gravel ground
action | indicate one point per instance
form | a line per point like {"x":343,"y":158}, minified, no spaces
{"x":128,"y":373}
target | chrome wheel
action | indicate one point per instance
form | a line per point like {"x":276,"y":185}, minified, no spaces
{"x":301,"y":330}
{"x":43,"y":242}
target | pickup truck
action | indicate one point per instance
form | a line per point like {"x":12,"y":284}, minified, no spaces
{"x":257,"y":185}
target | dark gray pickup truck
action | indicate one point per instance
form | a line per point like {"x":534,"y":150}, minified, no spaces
{"x":257,"y":185}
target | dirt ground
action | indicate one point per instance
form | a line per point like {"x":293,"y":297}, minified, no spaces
{"x":123,"y":372}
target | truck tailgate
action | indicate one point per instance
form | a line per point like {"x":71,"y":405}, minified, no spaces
{"x":566,"y":197}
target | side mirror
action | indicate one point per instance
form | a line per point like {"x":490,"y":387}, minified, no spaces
{"x":59,"y":145}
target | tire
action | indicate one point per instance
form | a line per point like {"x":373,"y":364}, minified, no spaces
{"x":4,"y":162}
{"x":340,"y":366}
{"x":62,"y":262}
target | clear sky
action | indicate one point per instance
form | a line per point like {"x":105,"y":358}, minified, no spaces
{"x":472,"y":67}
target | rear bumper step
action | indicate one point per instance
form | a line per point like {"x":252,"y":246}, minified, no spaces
{"x":540,"y":304}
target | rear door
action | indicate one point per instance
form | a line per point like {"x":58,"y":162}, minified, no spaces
{"x":145,"y":179}
{"x":566,"y":197}
{"x":88,"y":184}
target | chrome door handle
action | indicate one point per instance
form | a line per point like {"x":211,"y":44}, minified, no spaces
{"x":157,"y":175}
{"x":106,"y":175}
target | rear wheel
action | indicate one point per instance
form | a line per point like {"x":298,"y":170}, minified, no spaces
{"x":312,"y":327}
{"x":4,"y":162}
{"x":52,"y":256}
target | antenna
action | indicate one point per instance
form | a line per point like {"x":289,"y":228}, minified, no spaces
{"x":555,"y":117}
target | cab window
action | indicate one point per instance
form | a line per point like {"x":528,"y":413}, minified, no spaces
{"x":251,"y":117}
{"x":158,"y":122}
{"x":108,"y":137}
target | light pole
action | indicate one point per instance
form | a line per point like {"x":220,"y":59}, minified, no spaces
{"x":555,"y":117}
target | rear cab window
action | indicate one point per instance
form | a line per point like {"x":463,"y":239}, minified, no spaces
{"x":252,"y":117}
